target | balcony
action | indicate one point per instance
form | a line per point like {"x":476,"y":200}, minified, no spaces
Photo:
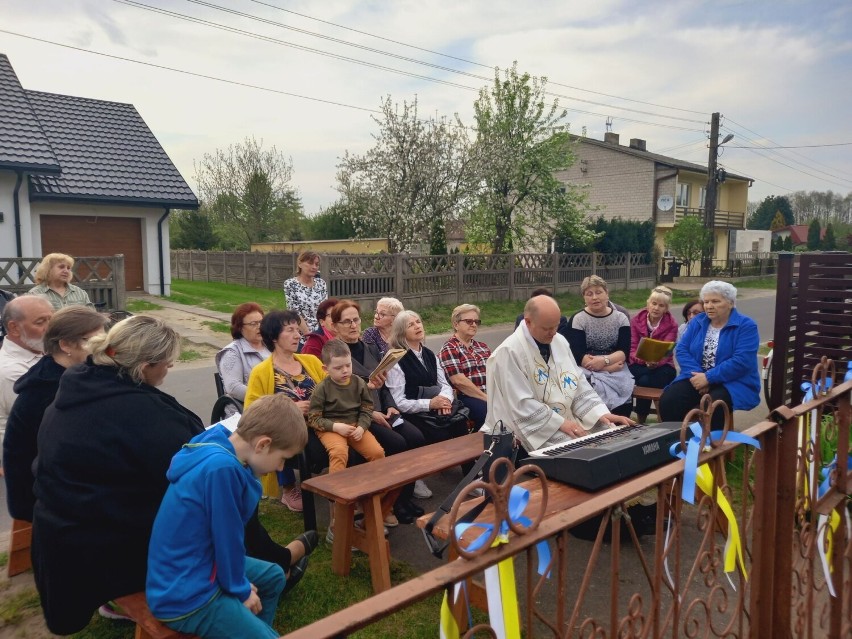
{"x":723,"y":219}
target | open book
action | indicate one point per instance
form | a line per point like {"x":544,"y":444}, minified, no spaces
{"x":653,"y":350}
{"x":388,"y":361}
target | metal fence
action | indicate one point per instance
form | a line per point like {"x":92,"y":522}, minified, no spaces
{"x":791,"y":575}
{"x":423,"y":280}
{"x":102,"y":277}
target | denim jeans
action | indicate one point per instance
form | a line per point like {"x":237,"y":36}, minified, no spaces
{"x":226,"y":617}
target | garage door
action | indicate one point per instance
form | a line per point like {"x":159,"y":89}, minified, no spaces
{"x":80,"y":235}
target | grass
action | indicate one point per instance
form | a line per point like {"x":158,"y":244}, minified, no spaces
{"x":225,"y":297}
{"x":137,"y":306}
{"x":14,"y":608}
{"x":764,"y":282}
{"x":4,"y":559}
{"x":219,"y":327}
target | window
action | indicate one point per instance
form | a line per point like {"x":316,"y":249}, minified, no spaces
{"x":682,"y":195}
{"x":702,"y":196}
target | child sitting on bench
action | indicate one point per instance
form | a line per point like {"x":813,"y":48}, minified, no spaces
{"x":199,"y":578}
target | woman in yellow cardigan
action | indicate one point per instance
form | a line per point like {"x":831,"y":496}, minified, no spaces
{"x":284,"y":371}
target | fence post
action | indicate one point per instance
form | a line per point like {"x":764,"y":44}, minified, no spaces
{"x":397,"y":271}
{"x":594,"y":263}
{"x":191,"y":267}
{"x":120,"y":282}
{"x":555,"y":266}
{"x":627,"y":272}
{"x":245,"y":268}
{"x":268,"y":279}
{"x":224,"y":267}
{"x":511,"y":277}
{"x":207,"y":265}
{"x":459,"y":277}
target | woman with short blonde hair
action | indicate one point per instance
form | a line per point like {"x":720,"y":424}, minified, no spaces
{"x":463,"y":360}
{"x":387,"y":308}
{"x":53,"y":280}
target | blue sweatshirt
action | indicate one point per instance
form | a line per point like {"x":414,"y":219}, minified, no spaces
{"x":736,"y":357}
{"x":197,"y":550}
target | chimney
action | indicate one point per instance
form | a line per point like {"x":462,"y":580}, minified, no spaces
{"x":636,"y":143}
{"x":611,"y":138}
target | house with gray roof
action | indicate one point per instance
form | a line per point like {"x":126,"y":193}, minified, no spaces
{"x":632,"y":183}
{"x":85,"y":177}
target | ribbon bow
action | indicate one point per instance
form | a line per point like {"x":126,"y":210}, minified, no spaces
{"x":702,"y":477}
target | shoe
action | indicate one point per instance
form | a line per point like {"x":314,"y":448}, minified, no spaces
{"x":329,"y":537}
{"x":415,"y":509}
{"x":297,"y":571}
{"x":292,"y":498}
{"x":421,"y":490}
{"x":404,"y":514}
{"x":359,"y":524}
{"x":310,"y":540}
{"x":391,"y":521}
{"x":111,"y":610}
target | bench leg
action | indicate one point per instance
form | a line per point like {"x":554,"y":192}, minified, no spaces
{"x":20,"y":541}
{"x":378,"y":547}
{"x":341,"y":550}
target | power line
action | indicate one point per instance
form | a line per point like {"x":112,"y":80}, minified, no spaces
{"x":191,"y":73}
{"x":255,"y":35}
{"x":471,"y":62}
{"x":801,"y":146}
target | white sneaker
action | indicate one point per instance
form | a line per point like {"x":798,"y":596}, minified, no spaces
{"x":421,"y":490}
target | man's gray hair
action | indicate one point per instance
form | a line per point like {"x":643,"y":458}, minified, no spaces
{"x":724,"y":289}
{"x":14,"y":309}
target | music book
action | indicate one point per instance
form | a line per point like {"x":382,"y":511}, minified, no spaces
{"x":653,"y":350}
{"x":392,"y":356}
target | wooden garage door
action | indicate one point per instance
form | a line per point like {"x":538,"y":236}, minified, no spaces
{"x":80,"y":235}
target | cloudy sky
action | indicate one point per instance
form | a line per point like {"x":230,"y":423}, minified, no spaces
{"x":778,"y":72}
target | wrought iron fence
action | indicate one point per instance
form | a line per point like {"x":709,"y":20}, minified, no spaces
{"x":763,"y":551}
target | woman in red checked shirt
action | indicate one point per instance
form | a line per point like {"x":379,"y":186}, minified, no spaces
{"x":463,"y":360}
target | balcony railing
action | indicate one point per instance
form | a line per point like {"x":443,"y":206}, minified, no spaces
{"x":723,"y":219}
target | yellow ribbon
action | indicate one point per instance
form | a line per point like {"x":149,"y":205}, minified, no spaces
{"x":733,"y":546}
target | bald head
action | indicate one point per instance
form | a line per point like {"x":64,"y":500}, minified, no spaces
{"x":26,"y":319}
{"x":542,"y":316}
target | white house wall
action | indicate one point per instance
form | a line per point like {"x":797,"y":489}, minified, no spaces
{"x":8,"y":245}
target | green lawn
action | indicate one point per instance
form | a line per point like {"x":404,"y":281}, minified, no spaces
{"x":225,"y":297}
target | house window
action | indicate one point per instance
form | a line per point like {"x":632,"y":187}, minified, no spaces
{"x":682,"y":195}
{"x":702,"y":196}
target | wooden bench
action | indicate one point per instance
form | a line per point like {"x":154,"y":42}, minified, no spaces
{"x":375,"y":486}
{"x":20,"y":559}
{"x":646,"y":392}
{"x":147,"y":626}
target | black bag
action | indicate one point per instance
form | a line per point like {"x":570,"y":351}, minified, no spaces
{"x":459,"y":415}
{"x":501,"y":444}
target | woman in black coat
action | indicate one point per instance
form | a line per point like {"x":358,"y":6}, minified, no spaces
{"x":65,"y":344}
{"x":104,"y":447}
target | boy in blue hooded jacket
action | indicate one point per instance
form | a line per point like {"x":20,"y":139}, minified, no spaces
{"x":200,"y":580}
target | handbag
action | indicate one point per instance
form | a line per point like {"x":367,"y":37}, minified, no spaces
{"x":502,"y":443}
{"x":459,"y":414}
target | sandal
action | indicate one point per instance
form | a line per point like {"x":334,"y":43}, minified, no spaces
{"x":297,"y":571}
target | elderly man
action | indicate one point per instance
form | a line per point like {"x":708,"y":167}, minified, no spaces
{"x":535,"y":386}
{"x":25,"y":320}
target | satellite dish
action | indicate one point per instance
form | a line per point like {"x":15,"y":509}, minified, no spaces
{"x":665,"y":202}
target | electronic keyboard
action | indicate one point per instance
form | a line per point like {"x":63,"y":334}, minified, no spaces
{"x":594,"y":461}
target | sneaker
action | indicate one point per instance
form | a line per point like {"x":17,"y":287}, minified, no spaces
{"x":359,"y":524}
{"x":111,"y":610}
{"x":421,"y":490}
{"x":391,"y":521}
{"x":329,"y":537}
{"x":292,"y":499}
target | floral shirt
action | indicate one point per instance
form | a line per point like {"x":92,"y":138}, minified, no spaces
{"x":296,"y":387}
{"x":373,"y":336}
{"x":305,"y":299}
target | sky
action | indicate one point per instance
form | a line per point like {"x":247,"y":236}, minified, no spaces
{"x":778,"y":72}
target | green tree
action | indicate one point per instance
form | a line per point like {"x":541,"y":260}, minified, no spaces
{"x":778,"y":222}
{"x":814,"y":231}
{"x":417,"y":172}
{"x":689,"y":240}
{"x":763,"y":216}
{"x":522,"y":139}
{"x":788,"y":243}
{"x":247,"y":193}
{"x":330,"y":224}
{"x":829,"y":243}
{"x":191,"y":230}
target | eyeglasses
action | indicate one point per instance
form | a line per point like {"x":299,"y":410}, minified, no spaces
{"x":381,"y":315}
{"x":694,"y":312}
{"x":350,"y":322}
{"x":471,"y":322}
{"x":252,"y":324}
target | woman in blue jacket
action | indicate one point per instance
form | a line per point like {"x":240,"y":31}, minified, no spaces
{"x":717,"y":355}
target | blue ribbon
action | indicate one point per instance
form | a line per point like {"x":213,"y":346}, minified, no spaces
{"x":810,"y":390}
{"x":693,"y":448}
{"x":518,"y":500}
{"x":825,"y":473}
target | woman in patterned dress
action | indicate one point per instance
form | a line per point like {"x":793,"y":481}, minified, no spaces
{"x":717,"y":355}
{"x":305,"y":291}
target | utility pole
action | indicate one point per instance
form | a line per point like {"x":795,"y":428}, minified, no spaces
{"x":710,"y":195}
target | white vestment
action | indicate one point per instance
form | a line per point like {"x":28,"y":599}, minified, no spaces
{"x":534,"y":397}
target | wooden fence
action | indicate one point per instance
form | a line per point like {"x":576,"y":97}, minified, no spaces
{"x":102,"y":277}
{"x":423,"y":280}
